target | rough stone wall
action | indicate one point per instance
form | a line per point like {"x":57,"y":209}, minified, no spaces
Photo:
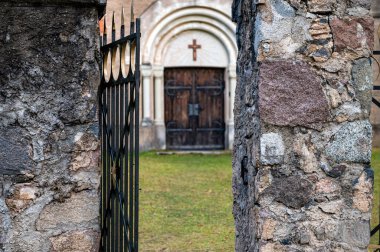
{"x":301,"y":168}
{"x":49,"y":176}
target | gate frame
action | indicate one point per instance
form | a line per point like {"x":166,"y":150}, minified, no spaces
{"x":119,"y":123}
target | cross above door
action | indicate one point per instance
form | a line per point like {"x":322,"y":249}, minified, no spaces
{"x":194,"y":46}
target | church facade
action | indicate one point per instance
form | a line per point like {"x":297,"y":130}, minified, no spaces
{"x":208,"y":23}
{"x":188,"y":70}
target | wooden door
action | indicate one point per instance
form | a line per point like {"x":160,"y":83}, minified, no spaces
{"x":194,"y":108}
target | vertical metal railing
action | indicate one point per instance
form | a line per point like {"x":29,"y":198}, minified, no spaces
{"x":119,"y":123}
{"x":376,"y":229}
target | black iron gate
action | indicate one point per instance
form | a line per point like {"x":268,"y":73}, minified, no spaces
{"x":119,"y":124}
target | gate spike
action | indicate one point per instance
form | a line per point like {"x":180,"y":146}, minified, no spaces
{"x":113,"y":21}
{"x":104,"y":24}
{"x":132,"y":27}
{"x":132,"y":12}
{"x":113,"y":27}
{"x":122,"y":16}
{"x":104,"y":29}
{"x":101,"y":30}
{"x":122,"y":22}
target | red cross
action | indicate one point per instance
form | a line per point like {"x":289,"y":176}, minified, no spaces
{"x":194,"y":46}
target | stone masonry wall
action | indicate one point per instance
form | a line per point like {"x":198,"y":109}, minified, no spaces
{"x":302,"y":179}
{"x":49,"y":176}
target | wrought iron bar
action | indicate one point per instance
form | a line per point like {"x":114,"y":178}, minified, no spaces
{"x":137,"y":137}
{"x":375,"y":230}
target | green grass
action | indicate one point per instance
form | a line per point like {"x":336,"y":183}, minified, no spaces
{"x":376,"y":199}
{"x":186,"y":203}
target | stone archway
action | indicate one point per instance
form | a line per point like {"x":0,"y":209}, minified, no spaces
{"x":166,"y":45}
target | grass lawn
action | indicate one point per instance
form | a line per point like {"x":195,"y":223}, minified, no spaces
{"x":186,"y":203}
{"x":375,"y":212}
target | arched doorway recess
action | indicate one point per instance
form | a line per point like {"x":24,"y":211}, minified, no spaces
{"x":171,"y":29}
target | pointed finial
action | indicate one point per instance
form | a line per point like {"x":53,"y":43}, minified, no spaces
{"x":113,"y":34}
{"x":132,"y":12}
{"x":104,"y":24}
{"x":122,"y":16}
{"x":101,"y":26}
{"x":104,"y":27}
{"x":122,"y":29}
{"x":113,"y":21}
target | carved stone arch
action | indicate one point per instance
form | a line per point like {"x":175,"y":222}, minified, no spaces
{"x":193,"y":14}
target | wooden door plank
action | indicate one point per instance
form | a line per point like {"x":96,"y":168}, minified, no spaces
{"x":178,"y":84}
{"x":210,"y":95}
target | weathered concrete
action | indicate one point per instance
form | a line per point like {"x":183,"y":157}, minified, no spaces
{"x":301,"y":174}
{"x":49,"y":146}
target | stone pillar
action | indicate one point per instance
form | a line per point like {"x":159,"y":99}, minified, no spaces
{"x":146,"y":72}
{"x":232,"y":89}
{"x":302,"y":179}
{"x":49,"y":175}
{"x":159,"y":106}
